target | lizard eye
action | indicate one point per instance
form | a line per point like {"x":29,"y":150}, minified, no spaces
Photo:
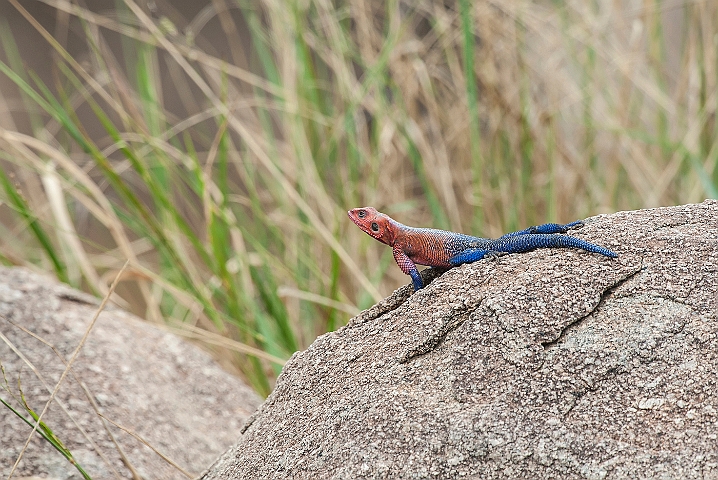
{"x":374,"y":226}
{"x":361,"y":213}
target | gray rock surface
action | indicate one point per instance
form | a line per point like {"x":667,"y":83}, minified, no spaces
{"x":166,"y":390}
{"x":548,"y":364}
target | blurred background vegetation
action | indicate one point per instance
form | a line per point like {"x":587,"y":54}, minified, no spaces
{"x":218,"y":144}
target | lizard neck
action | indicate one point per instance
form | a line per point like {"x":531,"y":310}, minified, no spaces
{"x":396,"y":232}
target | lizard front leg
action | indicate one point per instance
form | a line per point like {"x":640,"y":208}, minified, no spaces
{"x":408,"y":267}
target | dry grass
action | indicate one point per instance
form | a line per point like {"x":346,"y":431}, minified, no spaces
{"x":219,"y":153}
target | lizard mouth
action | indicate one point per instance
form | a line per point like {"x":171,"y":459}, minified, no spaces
{"x":353,"y":218}
{"x":358,"y":222}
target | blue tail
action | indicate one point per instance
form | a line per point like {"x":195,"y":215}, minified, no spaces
{"x":524,"y":243}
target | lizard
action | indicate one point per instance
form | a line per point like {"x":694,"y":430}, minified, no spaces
{"x":444,"y":249}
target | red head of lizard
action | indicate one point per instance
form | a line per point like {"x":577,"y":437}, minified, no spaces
{"x":375,"y":224}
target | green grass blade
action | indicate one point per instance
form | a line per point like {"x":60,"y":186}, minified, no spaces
{"x":20,"y":206}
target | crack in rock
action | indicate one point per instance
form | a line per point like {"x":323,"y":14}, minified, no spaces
{"x":604,"y":294}
{"x":396,"y":299}
{"x":435,"y":339}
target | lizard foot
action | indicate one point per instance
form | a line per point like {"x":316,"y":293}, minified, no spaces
{"x":574,"y":225}
{"x":493,"y":255}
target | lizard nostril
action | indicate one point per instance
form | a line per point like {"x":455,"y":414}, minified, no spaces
{"x":362,"y":213}
{"x":374,"y":226}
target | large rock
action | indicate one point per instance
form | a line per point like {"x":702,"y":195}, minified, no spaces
{"x":169,"y":392}
{"x":548,"y":364}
